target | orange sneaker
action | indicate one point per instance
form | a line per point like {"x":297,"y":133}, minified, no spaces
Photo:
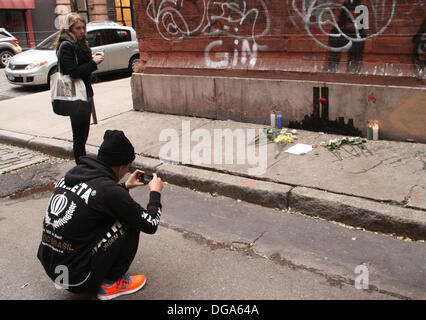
{"x":124,"y":285}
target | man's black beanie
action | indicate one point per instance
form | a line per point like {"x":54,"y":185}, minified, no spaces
{"x":116,"y":149}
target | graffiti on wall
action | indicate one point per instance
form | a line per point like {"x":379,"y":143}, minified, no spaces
{"x":235,"y":31}
{"x":419,"y":49}
{"x":344,"y":23}
{"x":242,"y":22}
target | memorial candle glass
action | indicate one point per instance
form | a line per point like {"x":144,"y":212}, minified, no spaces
{"x":370,"y":130}
{"x":376,"y":130}
{"x":273,"y":120}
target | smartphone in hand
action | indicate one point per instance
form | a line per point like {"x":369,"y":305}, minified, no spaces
{"x":144,"y":178}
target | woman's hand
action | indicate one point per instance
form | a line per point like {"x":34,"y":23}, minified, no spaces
{"x":98,"y":57}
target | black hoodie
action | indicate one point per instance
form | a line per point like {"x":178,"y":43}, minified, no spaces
{"x":85,"y":204}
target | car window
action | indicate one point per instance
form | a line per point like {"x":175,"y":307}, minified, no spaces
{"x":124,"y":35}
{"x":111,"y":36}
{"x":5,"y":34}
{"x":96,"y":38}
{"x":49,"y":43}
{"x":116,"y":36}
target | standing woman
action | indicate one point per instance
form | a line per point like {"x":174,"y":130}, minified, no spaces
{"x":76,"y":60}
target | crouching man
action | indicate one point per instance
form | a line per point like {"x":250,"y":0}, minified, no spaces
{"x":92,"y":225}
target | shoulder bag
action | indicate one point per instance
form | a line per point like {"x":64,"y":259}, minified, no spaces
{"x":68,"y":95}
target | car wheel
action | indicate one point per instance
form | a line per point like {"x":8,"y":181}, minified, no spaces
{"x":133,"y":64}
{"x":5,"y":56}
{"x":94,"y":78}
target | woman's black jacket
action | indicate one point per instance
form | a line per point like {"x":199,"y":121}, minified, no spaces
{"x":80,"y":68}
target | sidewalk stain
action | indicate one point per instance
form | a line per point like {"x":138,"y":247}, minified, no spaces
{"x":32,"y":191}
{"x":249,"y":183}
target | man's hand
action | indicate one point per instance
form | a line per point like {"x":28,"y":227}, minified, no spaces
{"x":133,"y":180}
{"x":155,"y":184}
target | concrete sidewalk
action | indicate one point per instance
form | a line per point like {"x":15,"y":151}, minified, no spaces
{"x":384,"y":191}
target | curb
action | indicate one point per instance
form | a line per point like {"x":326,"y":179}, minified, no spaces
{"x":353,"y":211}
{"x":358,"y":212}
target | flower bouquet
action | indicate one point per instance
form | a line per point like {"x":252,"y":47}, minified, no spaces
{"x":280,"y":137}
{"x":356,"y":144}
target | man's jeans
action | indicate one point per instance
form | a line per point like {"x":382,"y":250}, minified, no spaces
{"x":110,"y":260}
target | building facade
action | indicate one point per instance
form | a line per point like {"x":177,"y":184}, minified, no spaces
{"x":120,"y":11}
{"x":31,"y":21}
{"x":241,"y":59}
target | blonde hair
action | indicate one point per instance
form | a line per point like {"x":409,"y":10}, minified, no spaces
{"x":68,"y":22}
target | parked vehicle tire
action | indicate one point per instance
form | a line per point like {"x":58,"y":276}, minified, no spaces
{"x":133,"y":64}
{"x":5,"y":56}
{"x":94,"y":78}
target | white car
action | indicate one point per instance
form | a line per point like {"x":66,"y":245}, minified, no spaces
{"x":9,"y":46}
{"x":119,"y":44}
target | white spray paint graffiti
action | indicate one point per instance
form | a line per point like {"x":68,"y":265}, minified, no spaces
{"x":221,"y":59}
{"x":320,"y":19}
{"x":416,"y":4}
{"x":217,"y":18}
{"x":322,"y":16}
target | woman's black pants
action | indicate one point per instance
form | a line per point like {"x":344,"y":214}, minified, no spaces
{"x":80,"y":124}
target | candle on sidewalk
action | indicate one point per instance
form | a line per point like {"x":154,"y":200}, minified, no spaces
{"x":273,"y":120}
{"x":370,"y":130}
{"x":279,"y":121}
{"x":375,"y":130}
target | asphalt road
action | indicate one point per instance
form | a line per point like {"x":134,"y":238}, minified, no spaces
{"x":8,"y":91}
{"x":210,"y":247}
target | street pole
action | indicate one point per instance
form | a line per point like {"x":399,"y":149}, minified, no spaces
{"x":92,"y":105}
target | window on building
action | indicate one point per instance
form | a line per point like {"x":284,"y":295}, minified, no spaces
{"x":124,"y":12}
{"x":80,"y":6}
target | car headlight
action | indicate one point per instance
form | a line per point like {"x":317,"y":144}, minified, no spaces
{"x":35,"y":65}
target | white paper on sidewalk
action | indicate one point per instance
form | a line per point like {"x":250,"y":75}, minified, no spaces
{"x":299,"y":148}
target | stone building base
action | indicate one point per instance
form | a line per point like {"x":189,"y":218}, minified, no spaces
{"x":399,"y":110}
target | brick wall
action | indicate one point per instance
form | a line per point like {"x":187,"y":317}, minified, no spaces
{"x":98,"y":10}
{"x":323,"y":40}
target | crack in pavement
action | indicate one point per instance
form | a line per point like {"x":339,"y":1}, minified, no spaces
{"x":261,"y":235}
{"x":248,"y":245}
{"x":332,"y":280}
{"x":398,"y":160}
